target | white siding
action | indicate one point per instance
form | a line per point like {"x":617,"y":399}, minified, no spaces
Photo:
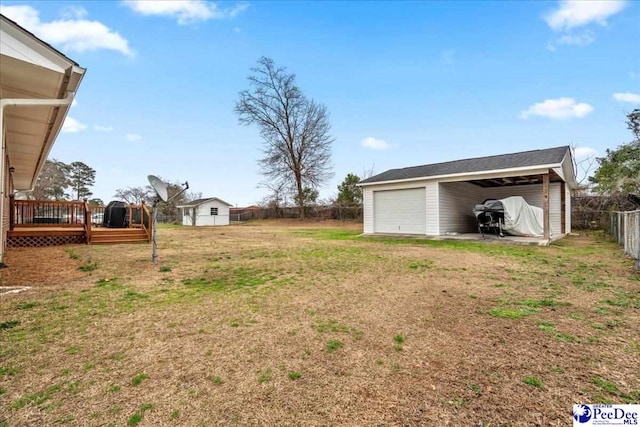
{"x":400,"y":211}
{"x":567,"y":208}
{"x":367,"y":204}
{"x":204,"y":217}
{"x":457,"y":199}
{"x":433,"y":223}
{"x":533,"y":195}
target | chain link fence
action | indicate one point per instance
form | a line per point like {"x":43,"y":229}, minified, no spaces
{"x":625,"y":229}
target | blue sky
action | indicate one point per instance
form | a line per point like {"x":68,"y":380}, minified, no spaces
{"x":406,"y":83}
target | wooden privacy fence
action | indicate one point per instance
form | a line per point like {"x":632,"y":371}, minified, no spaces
{"x":625,"y":228}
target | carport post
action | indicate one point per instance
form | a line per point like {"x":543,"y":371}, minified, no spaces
{"x":545,"y":205}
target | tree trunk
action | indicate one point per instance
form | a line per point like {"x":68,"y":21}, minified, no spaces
{"x":300,"y":196}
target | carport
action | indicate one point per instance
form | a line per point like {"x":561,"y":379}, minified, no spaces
{"x":436,"y":199}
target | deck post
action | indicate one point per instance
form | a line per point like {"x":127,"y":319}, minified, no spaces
{"x":87,"y":222}
{"x":545,"y":205}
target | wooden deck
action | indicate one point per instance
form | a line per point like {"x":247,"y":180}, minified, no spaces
{"x":71,"y":223}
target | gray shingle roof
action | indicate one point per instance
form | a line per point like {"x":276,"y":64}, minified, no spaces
{"x":503,"y":161}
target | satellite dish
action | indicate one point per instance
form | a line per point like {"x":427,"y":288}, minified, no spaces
{"x":163,"y":194}
{"x":159,"y":186}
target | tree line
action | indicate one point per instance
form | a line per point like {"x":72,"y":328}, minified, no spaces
{"x":62,"y":181}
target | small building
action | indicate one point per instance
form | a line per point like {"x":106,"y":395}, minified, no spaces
{"x":206,"y":212}
{"x":437,"y":199}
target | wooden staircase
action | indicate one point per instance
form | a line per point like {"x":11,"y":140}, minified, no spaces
{"x":104,"y":236}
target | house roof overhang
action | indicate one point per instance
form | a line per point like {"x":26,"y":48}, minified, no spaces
{"x":30,"y":69}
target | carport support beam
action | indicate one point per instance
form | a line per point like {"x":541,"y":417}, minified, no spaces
{"x":545,"y":205}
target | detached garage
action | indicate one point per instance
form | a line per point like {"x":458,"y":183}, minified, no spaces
{"x":438,"y":199}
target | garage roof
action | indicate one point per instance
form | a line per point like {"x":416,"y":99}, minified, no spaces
{"x":535,"y":158}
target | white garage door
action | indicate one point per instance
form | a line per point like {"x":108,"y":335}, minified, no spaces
{"x":400,"y":211}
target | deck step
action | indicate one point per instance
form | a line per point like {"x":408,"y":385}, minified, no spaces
{"x":115,"y":236}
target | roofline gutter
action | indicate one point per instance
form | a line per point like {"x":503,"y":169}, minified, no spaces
{"x":455,"y":175}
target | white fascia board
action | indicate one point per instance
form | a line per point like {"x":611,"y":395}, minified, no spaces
{"x":473,"y":175}
{"x":18,"y":43}
{"x":568,"y":170}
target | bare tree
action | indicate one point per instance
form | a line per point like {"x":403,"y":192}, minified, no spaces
{"x":276,"y":199}
{"x":52,"y":181}
{"x":134,"y":195}
{"x":295,"y":129}
{"x":584,"y":168}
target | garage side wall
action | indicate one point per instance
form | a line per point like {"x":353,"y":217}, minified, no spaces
{"x":533,"y":195}
{"x":457,"y":199}
{"x":367,"y":205}
{"x":567,"y":207}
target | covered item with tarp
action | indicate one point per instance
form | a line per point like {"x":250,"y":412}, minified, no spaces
{"x":511,"y":215}
{"x":116,"y":215}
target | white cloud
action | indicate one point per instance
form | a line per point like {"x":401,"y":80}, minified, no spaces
{"x":374,"y":143}
{"x":634,"y":75}
{"x":583,"y":39}
{"x":577,"y":13}
{"x":71,"y":125}
{"x":133,"y":137}
{"x":633,"y":98}
{"x":581,"y":153}
{"x":184,"y":11}
{"x":561,"y":108}
{"x":74,"y":12}
{"x":71,"y":34}
{"x":99,"y":128}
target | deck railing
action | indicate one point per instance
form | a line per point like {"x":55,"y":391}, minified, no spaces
{"x":52,"y":213}
{"x":47,"y":213}
{"x":146,"y":220}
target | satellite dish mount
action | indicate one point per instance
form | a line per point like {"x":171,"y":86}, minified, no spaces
{"x":162,"y":195}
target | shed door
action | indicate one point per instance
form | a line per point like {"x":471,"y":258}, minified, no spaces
{"x":400,"y":211}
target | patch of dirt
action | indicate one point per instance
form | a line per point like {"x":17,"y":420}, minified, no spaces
{"x":39,"y":267}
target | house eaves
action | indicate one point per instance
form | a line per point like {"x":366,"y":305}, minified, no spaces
{"x":32,"y":71}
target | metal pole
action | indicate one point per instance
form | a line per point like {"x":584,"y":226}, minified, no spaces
{"x":154,"y":255}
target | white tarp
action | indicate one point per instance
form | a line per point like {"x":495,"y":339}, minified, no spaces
{"x":522,"y":219}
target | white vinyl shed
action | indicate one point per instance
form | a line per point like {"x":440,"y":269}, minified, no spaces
{"x":438,"y":199}
{"x":206,"y":212}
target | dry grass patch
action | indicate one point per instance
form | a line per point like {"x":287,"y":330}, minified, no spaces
{"x":272,"y":323}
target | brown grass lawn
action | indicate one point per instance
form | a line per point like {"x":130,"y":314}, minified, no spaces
{"x":273,"y":324}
